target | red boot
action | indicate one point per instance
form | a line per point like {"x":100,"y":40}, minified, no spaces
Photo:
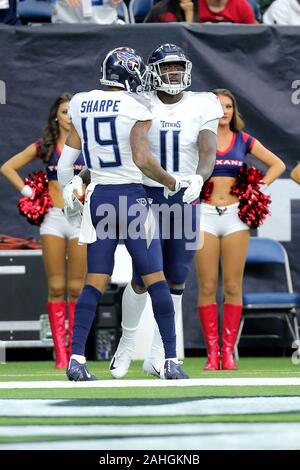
{"x":71,"y":315}
{"x":57,"y":315}
{"x":231,"y":324}
{"x":208,"y":315}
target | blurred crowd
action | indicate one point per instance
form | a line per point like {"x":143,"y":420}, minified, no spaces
{"x":270,"y":12}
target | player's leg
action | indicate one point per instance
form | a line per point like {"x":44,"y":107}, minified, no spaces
{"x":135,"y":294}
{"x":234,"y":251}
{"x":163,"y":310}
{"x":155,"y":360}
{"x":180,"y":240}
{"x":176,"y":271}
{"x":100,"y":261}
{"x":133,"y":303}
{"x":54,"y":252}
{"x":87,"y":303}
{"x":76,"y":272}
{"x":148,"y":262}
{"x":147,"y":259}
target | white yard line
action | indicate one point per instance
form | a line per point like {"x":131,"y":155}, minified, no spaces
{"x":192,"y":436}
{"x":230,"y":382}
{"x":98,"y":408}
{"x":136,"y":429}
{"x":274,"y":373}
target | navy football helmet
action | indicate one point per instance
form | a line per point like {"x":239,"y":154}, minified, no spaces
{"x":169,"y":53}
{"x":124,"y":68}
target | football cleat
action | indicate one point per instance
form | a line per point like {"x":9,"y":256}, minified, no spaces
{"x":153,"y":366}
{"x":120,"y":363}
{"x":173,"y":371}
{"x":78,"y":372}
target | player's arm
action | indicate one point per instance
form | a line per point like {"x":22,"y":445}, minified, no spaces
{"x":74,"y":189}
{"x":85,"y":175}
{"x":207,"y":149}
{"x":144,"y":160}
{"x":207,"y":145}
{"x":70,"y":153}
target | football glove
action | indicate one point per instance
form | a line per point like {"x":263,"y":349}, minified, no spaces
{"x":74,"y":186}
{"x":74,"y":214}
{"x":194,"y":189}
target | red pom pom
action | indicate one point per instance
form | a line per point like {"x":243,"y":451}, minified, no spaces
{"x":253,"y":206}
{"x":35,"y":208}
{"x":206,"y":191}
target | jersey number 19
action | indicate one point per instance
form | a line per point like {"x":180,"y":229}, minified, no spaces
{"x":112,"y":142}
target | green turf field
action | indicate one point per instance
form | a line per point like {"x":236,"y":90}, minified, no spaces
{"x":49,"y":415}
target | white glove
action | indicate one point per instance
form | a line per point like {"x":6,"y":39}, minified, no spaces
{"x":75,"y":185}
{"x":168,"y":192}
{"x":26,"y":191}
{"x":194,"y":189}
{"x":74,"y":214}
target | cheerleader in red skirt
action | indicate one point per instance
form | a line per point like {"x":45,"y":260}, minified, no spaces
{"x":226,"y":216}
{"x":64,"y":259}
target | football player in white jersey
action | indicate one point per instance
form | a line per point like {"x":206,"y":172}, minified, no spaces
{"x":183,"y":139}
{"x":110,"y":127}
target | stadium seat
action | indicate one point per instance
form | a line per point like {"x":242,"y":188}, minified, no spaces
{"x":256,"y":9}
{"x":34,"y":11}
{"x":39,"y":11}
{"x":138,"y":9}
{"x":123,"y":13}
{"x":263,"y":253}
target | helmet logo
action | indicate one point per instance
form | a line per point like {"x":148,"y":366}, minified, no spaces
{"x":123,"y":68}
{"x":128,"y":60}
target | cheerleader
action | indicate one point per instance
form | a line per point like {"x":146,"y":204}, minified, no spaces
{"x":225,"y":225}
{"x":59,"y":237}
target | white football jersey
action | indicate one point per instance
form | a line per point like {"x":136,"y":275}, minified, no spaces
{"x":175,"y":130}
{"x":103,"y":120}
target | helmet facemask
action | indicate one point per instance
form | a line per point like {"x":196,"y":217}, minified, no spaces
{"x":137,"y":83}
{"x":163,"y":80}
